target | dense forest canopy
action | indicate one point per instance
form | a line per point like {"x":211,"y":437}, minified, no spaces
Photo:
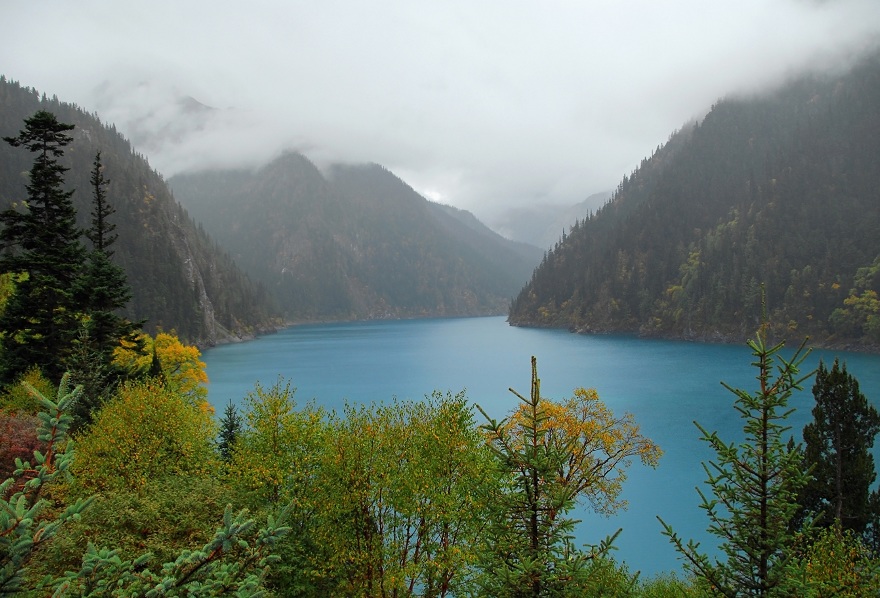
{"x":778,"y":192}
{"x":424,"y":498}
{"x":354,"y":242}
{"x":180,"y":279}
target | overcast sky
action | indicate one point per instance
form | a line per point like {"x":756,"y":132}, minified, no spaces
{"x":478,"y":104}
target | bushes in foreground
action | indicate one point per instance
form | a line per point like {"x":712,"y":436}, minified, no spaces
{"x":401,"y":499}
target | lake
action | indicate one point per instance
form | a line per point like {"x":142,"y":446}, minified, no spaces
{"x":666,"y":385}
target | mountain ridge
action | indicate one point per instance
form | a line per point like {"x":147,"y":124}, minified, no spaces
{"x":357,"y":242}
{"x":768,"y":203}
{"x":180,"y":279}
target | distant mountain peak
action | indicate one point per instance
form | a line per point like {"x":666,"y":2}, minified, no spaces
{"x":355,"y":243}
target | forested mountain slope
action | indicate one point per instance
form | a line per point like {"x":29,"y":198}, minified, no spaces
{"x":356,"y":242}
{"x":180,"y":278}
{"x":780,"y":191}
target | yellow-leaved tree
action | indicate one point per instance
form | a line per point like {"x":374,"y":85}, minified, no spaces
{"x":837,"y":563}
{"x":410,"y":485}
{"x":145,"y":431}
{"x":275,"y":457}
{"x":597,"y":444}
{"x":552,"y":455}
{"x":180,"y":364}
{"x":274,"y":462}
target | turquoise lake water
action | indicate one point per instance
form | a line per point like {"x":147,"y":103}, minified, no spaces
{"x":666,"y":385}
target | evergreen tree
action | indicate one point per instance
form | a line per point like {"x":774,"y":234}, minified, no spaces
{"x":837,"y":447}
{"x":44,"y":250}
{"x":101,"y":232}
{"x":230,"y":428}
{"x":754,"y":487}
{"x":156,"y":372}
{"x":550,"y":455}
{"x":235,"y":561}
{"x":101,"y":291}
{"x":97,"y":377}
{"x":103,"y":286}
{"x":24,"y":523}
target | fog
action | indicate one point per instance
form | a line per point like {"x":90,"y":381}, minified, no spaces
{"x":480,"y":105}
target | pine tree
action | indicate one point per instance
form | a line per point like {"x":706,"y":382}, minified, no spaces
{"x":44,"y":250}
{"x":24,"y":524}
{"x":230,"y":428}
{"x":837,"y":447}
{"x":101,"y":291}
{"x":234,"y":562}
{"x":754,"y":487}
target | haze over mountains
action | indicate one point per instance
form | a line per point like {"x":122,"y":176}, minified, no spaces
{"x":775,"y":192}
{"x":356,"y":242}
{"x":180,"y":279}
{"x":478,"y":106}
{"x":169,"y":118}
{"x":544,"y":224}
{"x":774,"y":197}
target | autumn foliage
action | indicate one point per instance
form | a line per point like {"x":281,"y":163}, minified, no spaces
{"x":549,"y":456}
{"x":18,"y":440}
{"x":181,"y":366}
{"x":599,"y":446}
{"x":146,"y":431}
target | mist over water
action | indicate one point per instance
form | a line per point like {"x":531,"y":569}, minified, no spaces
{"x":665,"y":384}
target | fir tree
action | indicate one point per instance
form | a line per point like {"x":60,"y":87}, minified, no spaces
{"x":103,"y":287}
{"x":45,"y":251}
{"x":754,"y":487}
{"x":837,"y":446}
{"x":101,"y":291}
{"x":230,"y":428}
{"x":24,"y":523}
{"x":101,"y":232}
{"x":155,"y":371}
{"x":96,"y":375}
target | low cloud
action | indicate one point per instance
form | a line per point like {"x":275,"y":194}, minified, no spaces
{"x":481,"y":105}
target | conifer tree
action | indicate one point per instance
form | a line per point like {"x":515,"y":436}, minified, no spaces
{"x":24,"y":524}
{"x":235,"y":561}
{"x":44,"y":251}
{"x":837,"y":447}
{"x":230,"y":428}
{"x":754,"y":487}
{"x":551,"y":455}
{"x":101,"y":291}
{"x":101,"y":232}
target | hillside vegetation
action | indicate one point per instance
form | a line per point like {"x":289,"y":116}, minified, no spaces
{"x":355,"y":242}
{"x":180,"y":279}
{"x":778,"y":192}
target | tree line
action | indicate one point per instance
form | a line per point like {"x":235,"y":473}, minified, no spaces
{"x":121,"y":481}
{"x":772,"y":194}
{"x":180,"y":279}
{"x":417,"y":498}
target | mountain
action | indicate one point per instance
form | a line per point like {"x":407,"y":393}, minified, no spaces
{"x":543,"y":225}
{"x":180,"y":279}
{"x":773,"y":195}
{"x":502,"y":254}
{"x":355,"y":242}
